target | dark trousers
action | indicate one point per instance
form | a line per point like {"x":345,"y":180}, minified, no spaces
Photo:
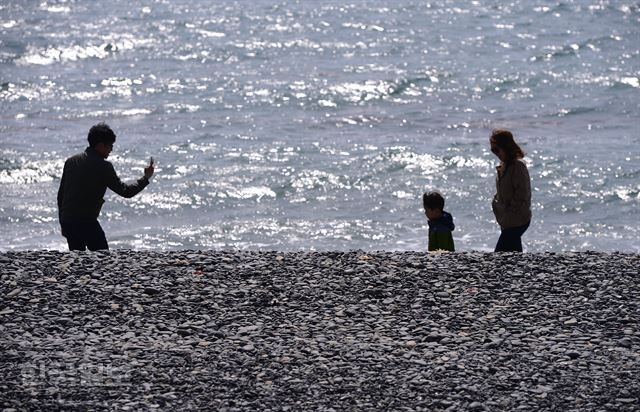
{"x":510,"y":239}
{"x":82,"y":235}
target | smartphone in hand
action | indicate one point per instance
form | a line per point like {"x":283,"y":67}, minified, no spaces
{"x":148,"y":171}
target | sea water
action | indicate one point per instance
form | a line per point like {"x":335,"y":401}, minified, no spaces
{"x":292,"y":125}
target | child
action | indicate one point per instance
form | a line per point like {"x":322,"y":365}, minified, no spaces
{"x":440,"y":222}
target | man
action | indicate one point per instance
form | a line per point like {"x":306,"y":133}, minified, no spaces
{"x":85,"y":180}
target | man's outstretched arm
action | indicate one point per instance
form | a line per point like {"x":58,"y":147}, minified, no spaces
{"x":127,"y":190}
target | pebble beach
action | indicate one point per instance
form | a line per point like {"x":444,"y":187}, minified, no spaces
{"x":253,"y":330}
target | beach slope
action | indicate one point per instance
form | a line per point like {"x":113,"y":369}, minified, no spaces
{"x":240,"y":330}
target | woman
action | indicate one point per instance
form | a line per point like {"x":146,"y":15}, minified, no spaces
{"x":512,"y":201}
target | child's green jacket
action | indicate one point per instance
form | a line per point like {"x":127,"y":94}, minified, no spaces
{"x":440,"y":237}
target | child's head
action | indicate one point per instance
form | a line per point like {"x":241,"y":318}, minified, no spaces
{"x":433,"y":203}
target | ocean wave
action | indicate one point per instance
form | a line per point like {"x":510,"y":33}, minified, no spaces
{"x":628,"y":81}
{"x":109,"y":114}
{"x":574,"y":111}
{"x":29,"y":172}
{"x":23,"y":91}
{"x":61,"y":54}
{"x":288,"y":233}
{"x":325,"y":95}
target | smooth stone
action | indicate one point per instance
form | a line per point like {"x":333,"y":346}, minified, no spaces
{"x":476,"y":406}
{"x":14,"y":292}
{"x":625,"y":342}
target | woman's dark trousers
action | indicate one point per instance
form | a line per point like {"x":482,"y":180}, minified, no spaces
{"x":510,"y":239}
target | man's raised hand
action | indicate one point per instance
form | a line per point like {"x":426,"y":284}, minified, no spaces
{"x":148,"y":171}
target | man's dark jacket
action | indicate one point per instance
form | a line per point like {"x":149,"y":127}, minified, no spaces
{"x":85,"y":180}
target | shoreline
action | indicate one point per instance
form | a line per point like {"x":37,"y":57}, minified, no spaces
{"x":269,"y":330}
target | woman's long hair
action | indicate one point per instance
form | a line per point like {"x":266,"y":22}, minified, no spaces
{"x":504,"y":140}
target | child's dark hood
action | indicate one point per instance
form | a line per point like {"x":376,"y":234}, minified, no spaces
{"x":443,"y":224}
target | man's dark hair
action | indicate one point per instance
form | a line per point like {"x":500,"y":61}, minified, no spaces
{"x":101,"y":133}
{"x":433,"y":200}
